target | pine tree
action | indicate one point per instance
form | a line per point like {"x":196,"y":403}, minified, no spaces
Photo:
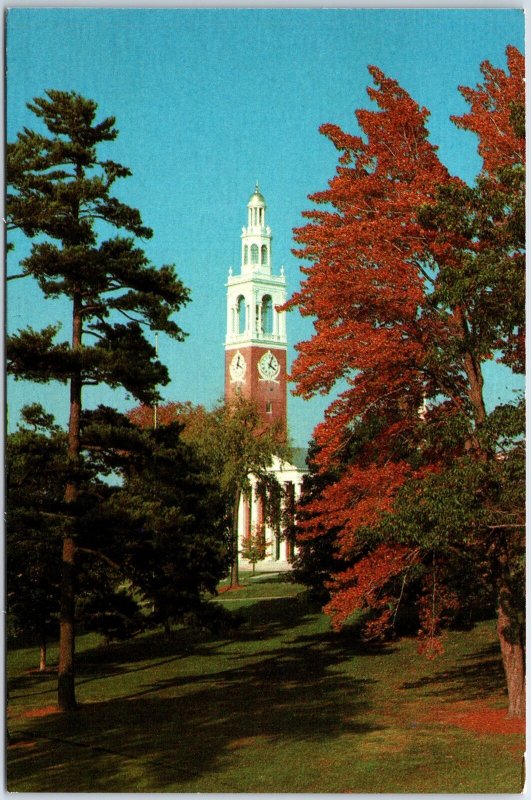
{"x":60,"y":195}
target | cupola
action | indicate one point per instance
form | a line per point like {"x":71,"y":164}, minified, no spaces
{"x":256,"y":209}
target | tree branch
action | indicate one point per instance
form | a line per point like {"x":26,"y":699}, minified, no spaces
{"x":133,"y":319}
{"x":507,"y":525}
{"x":100,"y":555}
{"x":14,"y":277}
{"x":93,"y":333}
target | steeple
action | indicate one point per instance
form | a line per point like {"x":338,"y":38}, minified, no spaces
{"x":256,"y":362}
{"x":256,"y":342}
{"x":254,"y":293}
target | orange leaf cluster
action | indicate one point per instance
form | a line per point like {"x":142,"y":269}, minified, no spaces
{"x":370,"y":258}
{"x":491,"y":115}
{"x":357,"y":500}
{"x":365,"y":585}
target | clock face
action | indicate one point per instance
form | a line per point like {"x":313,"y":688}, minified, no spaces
{"x":237,"y":367}
{"x":268,"y":366}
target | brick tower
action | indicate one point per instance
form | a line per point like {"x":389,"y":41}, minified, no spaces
{"x":256,"y":343}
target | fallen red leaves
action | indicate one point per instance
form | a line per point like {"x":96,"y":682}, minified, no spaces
{"x":45,"y":711}
{"x":477,"y":718}
{"x":21,"y":745}
{"x":230,"y":588}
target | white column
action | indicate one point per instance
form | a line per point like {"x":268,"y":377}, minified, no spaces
{"x":254,"y":508}
{"x":241,"y":521}
{"x":229,"y":318}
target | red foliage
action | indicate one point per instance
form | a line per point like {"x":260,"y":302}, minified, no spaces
{"x":492,"y":105}
{"x":371,"y":268}
{"x":497,"y":116}
{"x":185,"y":413}
{"x":358,"y":498}
{"x":365,"y":288}
{"x":365,"y":586}
{"x":235,"y":588}
{"x":367,"y":281}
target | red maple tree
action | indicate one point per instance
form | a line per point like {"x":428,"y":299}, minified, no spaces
{"x":406,"y":287}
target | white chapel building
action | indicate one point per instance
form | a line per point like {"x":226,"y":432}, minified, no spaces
{"x":256,"y":366}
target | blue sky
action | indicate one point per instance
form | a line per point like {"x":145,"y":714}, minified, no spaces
{"x":207,"y":102}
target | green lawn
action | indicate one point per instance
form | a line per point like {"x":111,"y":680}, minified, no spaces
{"x":281,"y":705}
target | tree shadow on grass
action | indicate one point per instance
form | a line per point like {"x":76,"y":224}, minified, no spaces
{"x":183,"y":732}
{"x":477,"y":676}
{"x":271,"y":577}
{"x":104,"y":661}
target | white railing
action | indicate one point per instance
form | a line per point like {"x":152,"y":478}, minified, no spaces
{"x":266,"y":337}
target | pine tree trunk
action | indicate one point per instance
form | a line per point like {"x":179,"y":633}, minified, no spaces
{"x":234,"y":571}
{"x":42,"y":652}
{"x":66,"y":671}
{"x":513,"y":656}
{"x":66,"y":678}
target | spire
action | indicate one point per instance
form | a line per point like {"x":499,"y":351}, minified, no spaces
{"x":254,"y":292}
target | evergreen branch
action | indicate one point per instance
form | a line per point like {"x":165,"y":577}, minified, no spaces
{"x":110,"y":563}
{"x":102,"y":556}
{"x":14,"y":277}
{"x":88,"y":332}
{"x":91,"y":309}
{"x":132,"y":319}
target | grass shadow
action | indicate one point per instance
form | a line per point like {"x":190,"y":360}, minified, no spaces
{"x":477,"y":676}
{"x":180,"y":733}
{"x":270,"y":577}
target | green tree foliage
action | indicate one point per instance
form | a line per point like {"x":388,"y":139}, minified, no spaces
{"x":317,"y":558}
{"x":416,"y":280}
{"x":177,"y":545}
{"x":35,"y":475}
{"x":60,"y":195}
{"x":36,"y":518}
{"x":231,"y":444}
{"x":163,"y":530}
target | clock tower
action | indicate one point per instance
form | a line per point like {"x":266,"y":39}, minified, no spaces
{"x":256,"y":343}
